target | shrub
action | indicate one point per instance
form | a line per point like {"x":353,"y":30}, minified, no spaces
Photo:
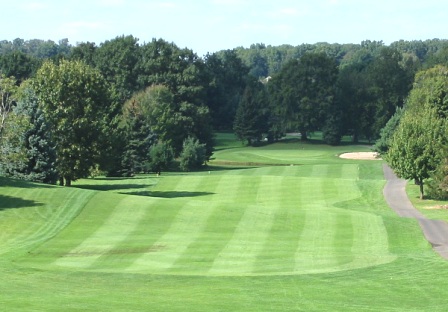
{"x":193,"y":154}
{"x":161,"y":157}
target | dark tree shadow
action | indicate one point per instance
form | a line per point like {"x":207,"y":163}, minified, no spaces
{"x":122,"y":178}
{"x":111,"y":187}
{"x":9,"y":202}
{"x":173,"y":194}
{"x":22,"y":183}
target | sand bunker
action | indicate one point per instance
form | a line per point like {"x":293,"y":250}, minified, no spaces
{"x":361,"y":155}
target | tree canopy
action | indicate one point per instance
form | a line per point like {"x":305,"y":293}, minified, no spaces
{"x":74,"y":98}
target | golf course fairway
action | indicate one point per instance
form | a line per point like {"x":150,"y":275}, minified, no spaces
{"x":282,"y":227}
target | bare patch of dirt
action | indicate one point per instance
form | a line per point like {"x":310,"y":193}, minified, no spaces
{"x":361,"y":156}
{"x":437,"y":207}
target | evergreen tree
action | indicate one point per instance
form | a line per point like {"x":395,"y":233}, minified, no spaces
{"x":251,"y":119}
{"x":28,"y":153}
{"x":161,"y":157}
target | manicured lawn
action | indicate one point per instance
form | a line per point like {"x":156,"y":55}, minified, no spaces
{"x":296,"y":229}
{"x":433,"y":209}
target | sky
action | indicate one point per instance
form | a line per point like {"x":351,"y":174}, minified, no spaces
{"x":212,"y":25}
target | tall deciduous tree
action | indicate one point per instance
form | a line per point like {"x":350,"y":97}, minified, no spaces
{"x":117,"y":60}
{"x":227,"y":76}
{"x":8,"y":91}
{"x":75,"y":100}
{"x":416,"y":147}
{"x":306,"y":91}
{"x":174,"y":121}
{"x":390,"y":84}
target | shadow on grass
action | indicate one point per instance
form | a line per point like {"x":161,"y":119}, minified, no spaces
{"x":22,"y":183}
{"x":111,"y":187}
{"x":9,"y":202}
{"x":143,"y":177}
{"x":175,"y":194}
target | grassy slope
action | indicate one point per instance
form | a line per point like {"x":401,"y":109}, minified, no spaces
{"x":427,"y":206}
{"x":283,"y":238}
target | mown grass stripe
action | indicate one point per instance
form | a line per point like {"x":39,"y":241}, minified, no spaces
{"x":200,"y":254}
{"x":343,"y":238}
{"x":277,"y":255}
{"x":350,"y":171}
{"x":71,"y":202}
{"x":370,"y":242}
{"x":240,"y":254}
{"x":184,"y":229}
{"x":116,"y":227}
{"x":315,"y":251}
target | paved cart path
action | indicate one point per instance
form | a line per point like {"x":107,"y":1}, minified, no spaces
{"x":435,"y":231}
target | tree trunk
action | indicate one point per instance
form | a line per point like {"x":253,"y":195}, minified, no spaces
{"x":61,"y":181}
{"x":422,"y":195}
{"x":303,"y":136}
{"x":68,"y":181}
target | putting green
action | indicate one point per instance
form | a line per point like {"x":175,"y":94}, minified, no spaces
{"x":281,"y":220}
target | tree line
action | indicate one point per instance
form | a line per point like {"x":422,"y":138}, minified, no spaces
{"x":122,"y":107}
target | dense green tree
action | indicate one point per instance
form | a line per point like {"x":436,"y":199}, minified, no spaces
{"x":85,"y":51}
{"x":416,"y":147}
{"x":8,"y":89}
{"x":19,"y":65}
{"x":138,"y":136}
{"x":353,"y":94}
{"x":251,"y":119}
{"x":180,"y":70}
{"x":75,"y":100}
{"x":305,"y":91}
{"x":117,"y":60}
{"x":382,"y":144}
{"x":193,"y":155}
{"x":13,"y":156}
{"x":438,"y":184}
{"x":172,"y":121}
{"x":161,"y":157}
{"x":430,"y":91}
{"x":227,"y":76}
{"x":27,"y":151}
{"x":390,"y":84}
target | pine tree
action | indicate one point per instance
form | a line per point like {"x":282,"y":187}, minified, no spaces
{"x":251,"y":115}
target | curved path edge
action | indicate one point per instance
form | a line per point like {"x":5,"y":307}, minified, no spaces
{"x":435,"y":231}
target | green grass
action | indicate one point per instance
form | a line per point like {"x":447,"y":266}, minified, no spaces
{"x":429,"y":207}
{"x":267,"y":237}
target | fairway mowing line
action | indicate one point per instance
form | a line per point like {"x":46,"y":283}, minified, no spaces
{"x":370,"y":242}
{"x":184,"y":230}
{"x":350,"y":171}
{"x":74,"y":202}
{"x":319,"y":171}
{"x":315,"y":251}
{"x":120,"y":223}
{"x":228,"y":188}
{"x":240,"y":254}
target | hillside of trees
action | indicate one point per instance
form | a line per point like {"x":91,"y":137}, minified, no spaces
{"x":124,"y":107}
